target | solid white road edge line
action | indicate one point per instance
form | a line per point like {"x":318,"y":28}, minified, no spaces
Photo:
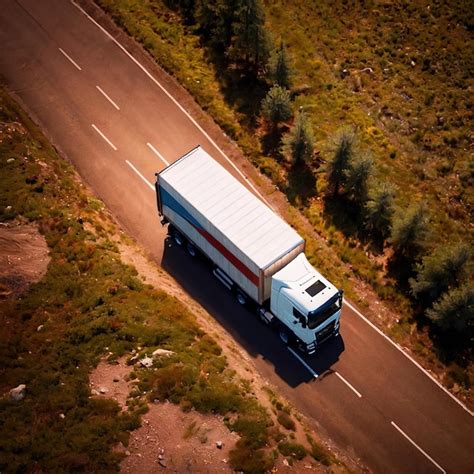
{"x":70,"y":59}
{"x":140,"y":175}
{"x":157,"y":153}
{"x":348,"y":384}
{"x":417,"y":447}
{"x":108,"y":98}
{"x":373,"y":326}
{"x":175,"y":102}
{"x":311,"y":371}
{"x":253,"y":187}
{"x":104,"y":137}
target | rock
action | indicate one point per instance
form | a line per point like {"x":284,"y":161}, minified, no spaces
{"x":162,"y":462}
{"x":160,"y":457}
{"x":162,"y":352}
{"x":103,"y":390}
{"x":94,"y":392}
{"x":139,"y":455}
{"x":133,"y":359}
{"x":116,"y":379}
{"x":146,"y":361}
{"x":127,"y":453}
{"x":219,"y":444}
{"x":286,"y":463}
{"x":18,"y":393}
{"x":62,"y":416}
{"x":40,"y":327}
{"x":10,"y":160}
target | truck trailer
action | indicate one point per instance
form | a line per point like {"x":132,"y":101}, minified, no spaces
{"x":255,"y":253}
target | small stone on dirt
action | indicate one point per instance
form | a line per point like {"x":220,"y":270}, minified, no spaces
{"x":10,"y":160}
{"x":40,"y":327}
{"x":18,"y":393}
{"x":127,"y":453}
{"x":162,"y":463}
{"x":219,"y":444}
{"x":103,"y":390}
{"x":62,"y":416}
{"x":286,"y":463}
{"x":116,"y":379}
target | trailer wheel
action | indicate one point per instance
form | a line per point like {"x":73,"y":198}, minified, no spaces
{"x":241,"y":298}
{"x":284,"y":335}
{"x":177,"y":237}
{"x":191,"y":249}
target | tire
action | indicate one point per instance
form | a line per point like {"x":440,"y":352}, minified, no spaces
{"x":191,"y":249}
{"x":284,"y":335}
{"x":178,"y":238}
{"x":241,"y":298}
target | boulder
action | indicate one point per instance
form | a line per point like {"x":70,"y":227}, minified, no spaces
{"x":18,"y":393}
{"x":162,"y":352}
{"x":146,"y":361}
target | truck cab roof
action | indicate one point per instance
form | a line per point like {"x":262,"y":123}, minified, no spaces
{"x":304,"y":285}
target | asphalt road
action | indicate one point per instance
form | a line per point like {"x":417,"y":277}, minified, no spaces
{"x":118,"y":125}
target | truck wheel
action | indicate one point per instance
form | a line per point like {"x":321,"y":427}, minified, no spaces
{"x":284,"y":335}
{"x":191,"y":249}
{"x":241,"y":298}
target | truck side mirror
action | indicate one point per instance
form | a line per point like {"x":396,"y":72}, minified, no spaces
{"x":303,"y":321}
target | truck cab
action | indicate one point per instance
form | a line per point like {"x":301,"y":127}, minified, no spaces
{"x":306,"y":303}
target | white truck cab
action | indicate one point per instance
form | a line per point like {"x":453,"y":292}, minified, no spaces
{"x":306,"y":302}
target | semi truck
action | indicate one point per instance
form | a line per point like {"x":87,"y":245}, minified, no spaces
{"x":254,"y":252}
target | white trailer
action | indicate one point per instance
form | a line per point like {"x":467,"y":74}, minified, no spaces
{"x":255,"y":252}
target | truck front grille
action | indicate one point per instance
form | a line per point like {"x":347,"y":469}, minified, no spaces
{"x":325,"y":332}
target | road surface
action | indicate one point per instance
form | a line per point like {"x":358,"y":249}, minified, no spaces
{"x":116,"y":122}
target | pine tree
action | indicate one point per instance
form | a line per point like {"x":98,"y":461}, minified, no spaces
{"x":279,"y":67}
{"x":216,"y":20}
{"x":409,"y":230}
{"x":357,"y":179}
{"x":440,"y":271}
{"x":455,"y":311}
{"x":298,"y":143}
{"x":250,"y":43}
{"x":276,"y":106}
{"x":379,"y":209}
{"x":340,"y":164}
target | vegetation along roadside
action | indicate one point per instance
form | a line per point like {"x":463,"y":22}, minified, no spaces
{"x":86,"y":305}
{"x":358,"y":118}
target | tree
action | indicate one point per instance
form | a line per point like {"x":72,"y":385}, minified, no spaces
{"x":357,"y":179}
{"x":298,"y":143}
{"x":409,"y":230}
{"x":276,"y":106}
{"x":340,"y":164}
{"x":250,"y":43}
{"x":279,"y":67}
{"x":379,"y":209}
{"x":216,"y":20}
{"x":440,"y":271}
{"x":455,"y":311}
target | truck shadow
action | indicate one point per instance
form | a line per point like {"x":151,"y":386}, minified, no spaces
{"x":196,"y":278}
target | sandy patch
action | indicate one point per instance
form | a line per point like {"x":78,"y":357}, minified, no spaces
{"x":23,"y":258}
{"x":173,"y":441}
{"x":111,"y":380}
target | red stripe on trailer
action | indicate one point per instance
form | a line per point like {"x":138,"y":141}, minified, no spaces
{"x":229,"y":256}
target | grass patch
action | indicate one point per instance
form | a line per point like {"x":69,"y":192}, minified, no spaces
{"x":292,"y":450}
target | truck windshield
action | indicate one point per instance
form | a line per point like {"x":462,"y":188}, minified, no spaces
{"x":318,"y":316}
